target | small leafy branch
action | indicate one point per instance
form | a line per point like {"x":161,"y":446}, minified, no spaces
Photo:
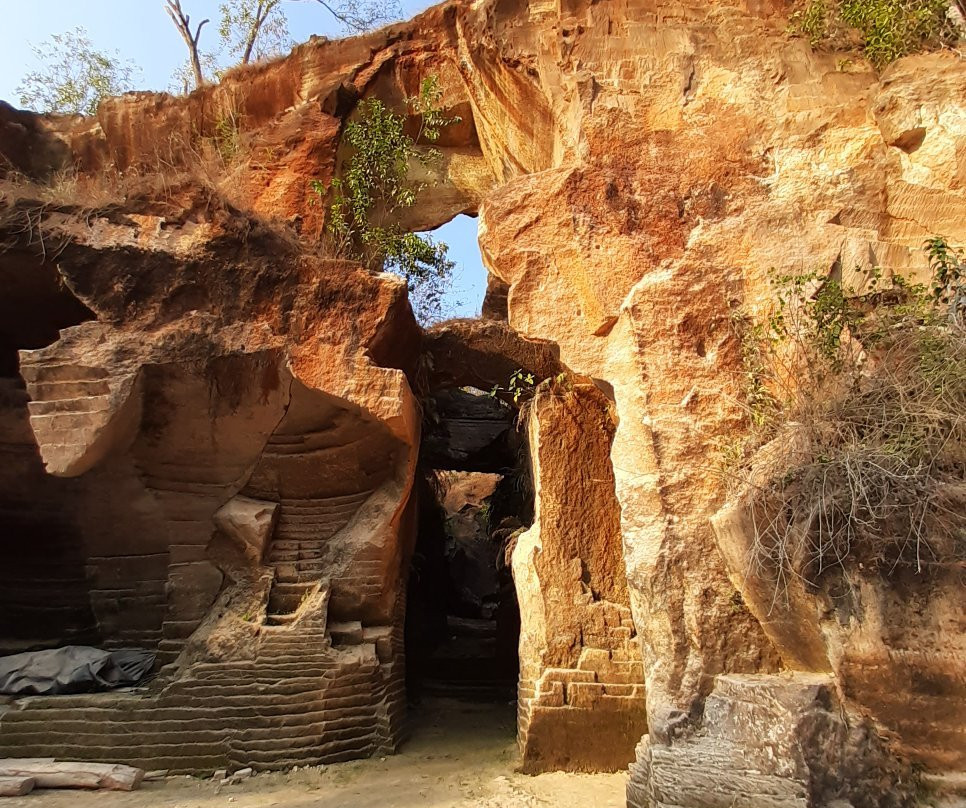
{"x":856,"y":449}
{"x":375,"y":187}
{"x":227,"y":137}
{"x":520,"y":387}
{"x":949,"y":278}
{"x":884,"y":29}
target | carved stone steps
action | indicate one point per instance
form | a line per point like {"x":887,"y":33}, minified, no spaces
{"x":286,"y":598}
{"x":341,"y":499}
{"x":91,"y":404}
{"x":304,"y":735}
{"x":317,"y":531}
{"x":54,"y":372}
{"x":68,"y":749}
{"x":306,"y":512}
{"x":349,"y":633}
{"x":299,"y":572}
{"x":180,"y":486}
{"x":312,"y":675}
{"x":281,"y":640}
{"x":302,"y":551}
{"x":57,"y":422}
{"x":280,"y":619}
{"x":59,"y":390}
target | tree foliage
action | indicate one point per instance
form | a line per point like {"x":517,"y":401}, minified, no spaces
{"x":74,"y":76}
{"x":374,"y":188}
{"x":949,"y":278}
{"x":252,"y":30}
{"x":358,"y":16}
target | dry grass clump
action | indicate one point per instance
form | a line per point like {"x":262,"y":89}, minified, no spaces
{"x":856,"y":455}
{"x":185,"y":170}
{"x":211,"y":160}
{"x":65,"y":188}
{"x":28,"y":205}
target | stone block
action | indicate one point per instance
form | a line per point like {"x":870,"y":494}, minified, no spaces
{"x":249,"y":523}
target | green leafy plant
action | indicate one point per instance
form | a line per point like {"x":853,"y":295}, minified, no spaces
{"x":949,"y":277}
{"x":252,"y":30}
{"x":856,"y":448}
{"x":521,"y":386}
{"x":483,"y":516}
{"x":227,"y":136}
{"x":812,"y":22}
{"x":375,"y":187}
{"x":886,"y":29}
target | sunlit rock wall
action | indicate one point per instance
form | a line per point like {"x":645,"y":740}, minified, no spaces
{"x":640,"y":169}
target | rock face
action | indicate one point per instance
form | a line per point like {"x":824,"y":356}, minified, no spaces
{"x":581,"y":674}
{"x":640,"y":168}
{"x":236,"y":495}
{"x":777,"y":740}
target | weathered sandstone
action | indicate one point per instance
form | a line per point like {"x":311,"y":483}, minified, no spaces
{"x":217,"y":435}
{"x":640,"y":169}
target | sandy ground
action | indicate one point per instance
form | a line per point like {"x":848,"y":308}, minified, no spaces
{"x":460,"y":755}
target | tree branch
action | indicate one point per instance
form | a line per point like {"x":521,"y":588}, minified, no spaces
{"x":183,"y":23}
{"x":357,"y":17}
{"x":261,"y":14}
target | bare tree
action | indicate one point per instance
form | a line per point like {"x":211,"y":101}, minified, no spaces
{"x":250,"y":30}
{"x":183,"y":23}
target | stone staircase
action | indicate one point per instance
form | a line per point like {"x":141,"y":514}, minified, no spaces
{"x":128,"y":598}
{"x":299,"y":701}
{"x":298,"y":548}
{"x":602,"y":695}
{"x":70,"y":406}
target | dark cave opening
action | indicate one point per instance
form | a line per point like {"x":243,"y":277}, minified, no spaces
{"x":474,"y":499}
{"x":44,"y":598}
{"x":34,"y":307}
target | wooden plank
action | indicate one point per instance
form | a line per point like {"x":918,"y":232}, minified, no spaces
{"x":48,"y":773}
{"x":16,"y":786}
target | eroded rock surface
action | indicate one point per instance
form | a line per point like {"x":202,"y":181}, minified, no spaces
{"x":581,"y":674}
{"x":260,"y":465}
{"x":640,"y":169}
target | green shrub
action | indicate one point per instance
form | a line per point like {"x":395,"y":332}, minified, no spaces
{"x":812,"y":22}
{"x":227,"y":137}
{"x":886,"y":29}
{"x":374,"y":188}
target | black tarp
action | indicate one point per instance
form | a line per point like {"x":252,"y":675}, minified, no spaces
{"x":72,"y":669}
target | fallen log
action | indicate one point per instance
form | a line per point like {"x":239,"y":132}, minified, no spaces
{"x":48,"y":773}
{"x":16,"y":786}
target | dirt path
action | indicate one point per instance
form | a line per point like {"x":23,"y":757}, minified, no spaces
{"x":460,"y":756}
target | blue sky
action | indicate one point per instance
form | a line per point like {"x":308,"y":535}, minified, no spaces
{"x":139,"y":30}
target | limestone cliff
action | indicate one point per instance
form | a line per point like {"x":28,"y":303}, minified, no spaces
{"x":639,"y":169}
